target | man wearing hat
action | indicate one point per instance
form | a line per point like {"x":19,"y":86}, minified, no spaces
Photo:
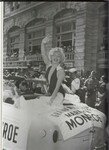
{"x":91,"y":85}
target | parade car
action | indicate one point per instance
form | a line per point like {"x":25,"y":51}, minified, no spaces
{"x":35,"y":125}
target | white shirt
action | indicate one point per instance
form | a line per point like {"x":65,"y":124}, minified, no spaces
{"x":75,"y":85}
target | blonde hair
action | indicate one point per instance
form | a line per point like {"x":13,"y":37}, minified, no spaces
{"x":57,"y":49}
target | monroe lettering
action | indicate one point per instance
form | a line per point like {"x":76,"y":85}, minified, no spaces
{"x":15,"y":134}
{"x":96,"y":118}
{"x":60,"y":111}
{"x":69,"y":114}
{"x":81,"y":119}
{"x":5,"y":130}
{"x":10,"y":132}
{"x":86,"y":117}
{"x":71,"y":124}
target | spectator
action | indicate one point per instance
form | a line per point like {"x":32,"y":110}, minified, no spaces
{"x":6,"y":73}
{"x":71,"y":83}
{"x":82,"y":90}
{"x":42,"y":87}
{"x":13,"y":74}
{"x":23,"y":87}
{"x":75,"y":84}
{"x":101,"y":94}
{"x":107,"y":101}
{"x":36,"y":73}
{"x":91,"y":85}
{"x":30,"y":71}
{"x":42,"y":76}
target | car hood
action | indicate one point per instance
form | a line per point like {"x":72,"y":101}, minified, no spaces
{"x":71,"y":119}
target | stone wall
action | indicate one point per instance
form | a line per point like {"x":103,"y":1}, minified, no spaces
{"x":80,"y":38}
{"x":91,"y":36}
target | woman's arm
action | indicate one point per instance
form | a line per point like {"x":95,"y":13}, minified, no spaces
{"x":45,"y":50}
{"x":60,"y":76}
{"x":67,"y":89}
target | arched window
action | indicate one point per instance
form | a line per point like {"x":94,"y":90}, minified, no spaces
{"x":35,"y":32}
{"x":13,"y":42}
{"x":14,"y":5}
{"x":65,"y":27}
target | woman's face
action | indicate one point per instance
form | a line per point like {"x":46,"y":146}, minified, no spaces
{"x":22,"y":87}
{"x":56,"y":58}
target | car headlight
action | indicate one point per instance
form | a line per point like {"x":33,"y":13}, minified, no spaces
{"x":42,"y":133}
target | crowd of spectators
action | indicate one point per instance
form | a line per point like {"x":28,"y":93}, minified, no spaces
{"x":90,"y":89}
{"x":23,"y":78}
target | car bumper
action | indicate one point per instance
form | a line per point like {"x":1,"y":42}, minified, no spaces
{"x":101,"y":147}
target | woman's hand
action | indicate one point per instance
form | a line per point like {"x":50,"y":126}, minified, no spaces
{"x":47,"y":39}
{"x":45,"y":48}
{"x":52,"y":99}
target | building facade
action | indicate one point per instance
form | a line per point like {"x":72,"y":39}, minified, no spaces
{"x":80,"y":28}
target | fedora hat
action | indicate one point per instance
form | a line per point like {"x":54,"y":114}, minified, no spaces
{"x":72,"y":70}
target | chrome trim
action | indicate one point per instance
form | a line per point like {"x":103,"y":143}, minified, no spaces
{"x":101,"y":147}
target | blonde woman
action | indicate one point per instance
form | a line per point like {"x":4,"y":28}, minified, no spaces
{"x":54,"y":72}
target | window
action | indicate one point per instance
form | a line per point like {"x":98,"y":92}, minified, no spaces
{"x":14,"y":46}
{"x":34,"y":41}
{"x":35,"y":34}
{"x":65,"y":28}
{"x":65,"y":36}
{"x":65,"y":33}
{"x":13,"y":43}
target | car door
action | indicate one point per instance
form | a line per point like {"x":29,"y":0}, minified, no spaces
{"x":98,"y":130}
{"x":15,"y":125}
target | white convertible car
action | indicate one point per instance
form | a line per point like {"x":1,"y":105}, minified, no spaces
{"x":34,"y":125}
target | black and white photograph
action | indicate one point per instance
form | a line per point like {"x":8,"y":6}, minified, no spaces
{"x":55,"y":68}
